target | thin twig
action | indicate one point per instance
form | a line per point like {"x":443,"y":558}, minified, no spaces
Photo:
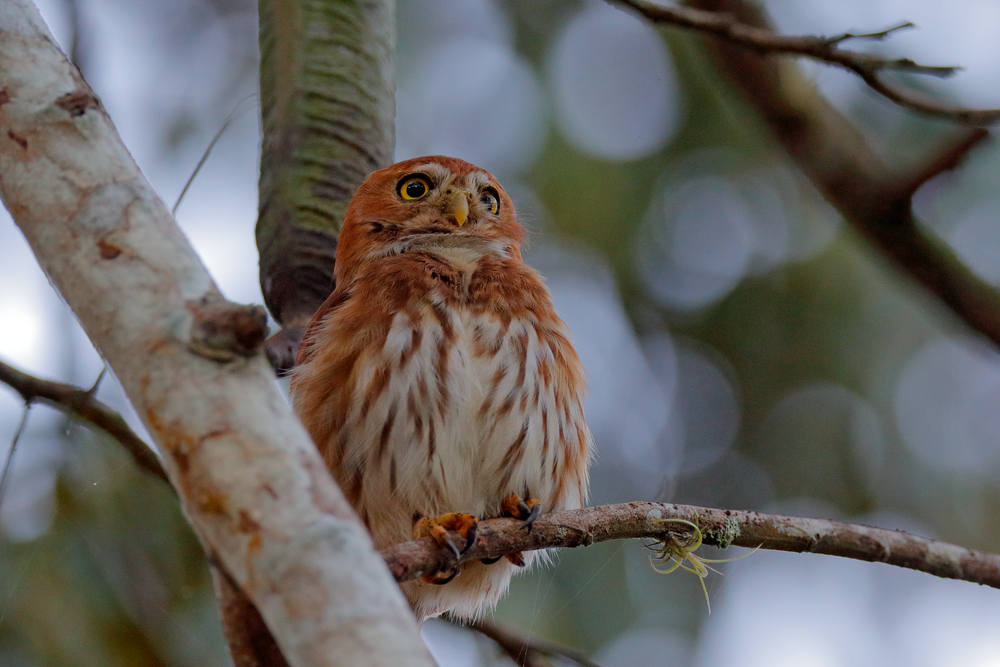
{"x":526,"y":651}
{"x":237,"y":111}
{"x":947,"y":158}
{"x":878,"y":35}
{"x":82,"y":404}
{"x":587,"y":526}
{"x":868,"y":67}
{"x":8,"y":464}
{"x":721,"y":528}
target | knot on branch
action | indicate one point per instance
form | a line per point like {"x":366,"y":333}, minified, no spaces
{"x":77,"y":102}
{"x":224,"y":331}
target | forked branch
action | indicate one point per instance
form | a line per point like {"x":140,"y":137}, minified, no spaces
{"x":868,"y":67}
{"x":82,"y":404}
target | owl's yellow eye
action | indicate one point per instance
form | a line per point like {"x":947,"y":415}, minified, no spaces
{"x":414,"y":187}
{"x":490,"y":201}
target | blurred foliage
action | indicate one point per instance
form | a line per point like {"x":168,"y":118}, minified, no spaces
{"x":118,"y":579}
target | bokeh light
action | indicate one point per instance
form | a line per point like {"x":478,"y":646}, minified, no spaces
{"x":976,"y":239}
{"x":470,"y":98}
{"x":828,"y":419}
{"x":946,"y":407}
{"x":466,"y":92}
{"x":716,"y":221}
{"x":627,"y":406}
{"x":613,"y":84}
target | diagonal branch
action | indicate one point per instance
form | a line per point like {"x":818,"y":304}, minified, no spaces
{"x":721,"y":528}
{"x":869,"y":67}
{"x":82,"y":404}
{"x":250,"y":481}
{"x":873,"y":198}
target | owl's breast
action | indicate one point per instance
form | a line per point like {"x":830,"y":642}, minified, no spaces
{"x":437,"y":389}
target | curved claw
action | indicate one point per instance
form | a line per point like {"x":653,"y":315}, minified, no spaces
{"x":470,"y":538}
{"x":452,"y":548}
{"x":533,"y":514}
{"x":440,"y":578}
{"x":516,"y":507}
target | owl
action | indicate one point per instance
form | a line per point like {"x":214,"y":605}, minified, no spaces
{"x":437,"y":380}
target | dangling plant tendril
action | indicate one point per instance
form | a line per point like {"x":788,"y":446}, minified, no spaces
{"x":676,"y":548}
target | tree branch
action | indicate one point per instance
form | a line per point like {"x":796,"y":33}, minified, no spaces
{"x":873,"y":198}
{"x":250,"y":480}
{"x":574,"y":528}
{"x":81,"y":404}
{"x":250,"y":642}
{"x":527,"y":651}
{"x":868,"y":67}
{"x":328,"y":118}
{"x":721,"y":528}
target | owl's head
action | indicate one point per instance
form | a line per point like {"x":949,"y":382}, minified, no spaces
{"x":428,"y":202}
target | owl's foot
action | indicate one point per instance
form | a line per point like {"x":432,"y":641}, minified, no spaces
{"x":514,"y":506}
{"x":440,"y":528}
{"x":517,"y":508}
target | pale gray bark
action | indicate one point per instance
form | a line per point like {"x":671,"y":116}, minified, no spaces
{"x":250,"y":480}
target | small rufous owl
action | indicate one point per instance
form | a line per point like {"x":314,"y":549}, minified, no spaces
{"x":437,"y":380}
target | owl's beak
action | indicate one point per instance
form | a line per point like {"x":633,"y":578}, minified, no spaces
{"x":458,"y":207}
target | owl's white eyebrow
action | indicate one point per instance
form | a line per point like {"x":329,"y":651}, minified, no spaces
{"x":437,"y":173}
{"x":476,"y":180}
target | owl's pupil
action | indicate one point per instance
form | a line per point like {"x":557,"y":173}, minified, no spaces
{"x":415,"y":189}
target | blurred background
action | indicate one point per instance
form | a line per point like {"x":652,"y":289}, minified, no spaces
{"x":745,"y":349}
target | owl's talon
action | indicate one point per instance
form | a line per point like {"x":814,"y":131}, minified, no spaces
{"x":533,"y":514}
{"x":516,"y":557}
{"x":440,"y":528}
{"x":452,"y":548}
{"x":515,"y":507}
{"x":441,"y":578}
{"x":489,"y":561}
{"x":470,"y":536}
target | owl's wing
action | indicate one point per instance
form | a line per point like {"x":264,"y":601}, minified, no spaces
{"x":337,"y":299}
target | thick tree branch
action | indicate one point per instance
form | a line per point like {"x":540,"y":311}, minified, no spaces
{"x":868,"y":67}
{"x":721,"y":528}
{"x":328,"y":112}
{"x":81,"y":404}
{"x":250,"y":480}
